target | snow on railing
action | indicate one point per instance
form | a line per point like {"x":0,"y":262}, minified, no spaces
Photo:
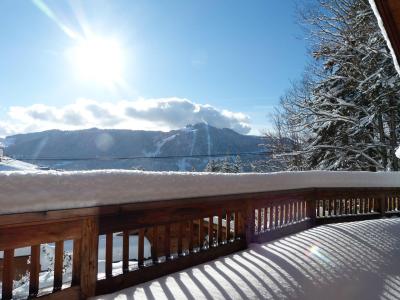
{"x":117,"y":229}
{"x":42,"y":191}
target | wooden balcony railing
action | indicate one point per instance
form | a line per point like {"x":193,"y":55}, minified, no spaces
{"x":117,"y":246}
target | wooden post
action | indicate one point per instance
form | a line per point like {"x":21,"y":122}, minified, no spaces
{"x":89,"y":256}
{"x":8,"y":274}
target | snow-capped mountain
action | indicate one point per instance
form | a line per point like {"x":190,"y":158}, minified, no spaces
{"x":106,"y":148}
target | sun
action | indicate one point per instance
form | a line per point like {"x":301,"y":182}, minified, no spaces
{"x":97,"y":59}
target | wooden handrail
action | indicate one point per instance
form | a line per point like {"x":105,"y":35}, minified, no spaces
{"x":176,"y":233}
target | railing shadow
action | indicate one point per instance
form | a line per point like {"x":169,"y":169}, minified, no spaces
{"x":359,"y":260}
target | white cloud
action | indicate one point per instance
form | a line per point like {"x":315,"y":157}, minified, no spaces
{"x":147,"y":114}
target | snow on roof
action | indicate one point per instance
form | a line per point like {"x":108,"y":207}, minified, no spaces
{"x":50,"y":190}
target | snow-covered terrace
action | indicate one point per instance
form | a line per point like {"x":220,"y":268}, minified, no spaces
{"x":124,"y":228}
{"x":356,"y":260}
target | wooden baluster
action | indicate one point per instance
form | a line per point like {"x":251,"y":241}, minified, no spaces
{"x":333,"y":212}
{"x":76,"y":262}
{"x":322,"y":208}
{"x":190,"y":236}
{"x":34,"y":271}
{"x":270,"y":212}
{"x":8,"y":274}
{"x":220,"y":230}
{"x":275,"y":219}
{"x":349,"y":206}
{"x":211,"y":230}
{"x":363,"y":205}
{"x":266,"y":218}
{"x":294,"y":211}
{"x":289,"y":210}
{"x":325,"y":212}
{"x":355,"y":208}
{"x":167,"y":241}
{"x":125,"y":251}
{"x":201,"y":233}
{"x":58,"y":265}
{"x":258,"y":221}
{"x":228,"y":226}
{"x":236,"y":232}
{"x":141,"y":248}
{"x":282,"y":215}
{"x":154,"y":247}
{"x":180,"y":239}
{"x":109,"y":254}
{"x":301,"y":211}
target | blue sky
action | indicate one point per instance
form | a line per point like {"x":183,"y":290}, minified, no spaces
{"x":237,"y":56}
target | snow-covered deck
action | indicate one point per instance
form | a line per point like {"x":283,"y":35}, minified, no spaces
{"x":358,"y":260}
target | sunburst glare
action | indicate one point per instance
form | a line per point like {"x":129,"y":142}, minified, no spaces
{"x":97,"y":59}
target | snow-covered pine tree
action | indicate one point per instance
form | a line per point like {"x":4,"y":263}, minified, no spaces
{"x":211,"y":166}
{"x":224,"y":166}
{"x":348,"y":116}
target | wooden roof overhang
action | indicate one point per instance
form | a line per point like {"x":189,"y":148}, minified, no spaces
{"x":389,"y":11}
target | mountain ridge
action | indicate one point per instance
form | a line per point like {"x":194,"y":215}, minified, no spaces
{"x":69,"y":149}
